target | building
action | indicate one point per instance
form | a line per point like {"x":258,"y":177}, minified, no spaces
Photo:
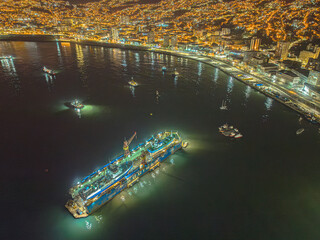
{"x":151,"y":37}
{"x":259,"y":59}
{"x":166,"y":41}
{"x":314,"y":77}
{"x":288,"y":77}
{"x":174,"y":41}
{"x":282,"y":50}
{"x":225,"y":31}
{"x":268,"y":67}
{"x":255,"y":44}
{"x":306,"y":55}
{"x":313,"y":91}
{"x":114,"y":34}
{"x":248,"y":55}
{"x":124,"y":20}
{"x":313,"y":64}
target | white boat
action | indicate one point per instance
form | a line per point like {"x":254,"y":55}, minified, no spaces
{"x":239,"y":135}
{"x":223,"y":105}
{"x":299,"y":131}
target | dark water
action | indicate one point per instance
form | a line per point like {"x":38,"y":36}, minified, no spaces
{"x":264,"y":186}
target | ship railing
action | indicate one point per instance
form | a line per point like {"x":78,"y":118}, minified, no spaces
{"x":103,"y":167}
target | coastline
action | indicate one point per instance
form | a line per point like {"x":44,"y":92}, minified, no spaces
{"x":212,"y":61}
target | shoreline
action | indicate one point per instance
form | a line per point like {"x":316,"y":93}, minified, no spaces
{"x":212,"y":61}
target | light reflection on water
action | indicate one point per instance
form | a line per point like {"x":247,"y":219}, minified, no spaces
{"x":230,"y":85}
{"x":216,"y":75}
{"x":200,"y":68}
{"x":49,"y":81}
{"x":268,"y":103}
{"x":110,"y":113}
{"x":247,"y":93}
{"x":10,"y":70}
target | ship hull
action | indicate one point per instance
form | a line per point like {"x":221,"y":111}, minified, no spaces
{"x":131,"y":180}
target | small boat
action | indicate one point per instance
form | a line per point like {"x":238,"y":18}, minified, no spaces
{"x":223,"y":105}
{"x":300,"y":119}
{"x":230,"y":131}
{"x":185,"y":144}
{"x":175,"y":73}
{"x":239,"y":135}
{"x":49,"y":71}
{"x":164,"y":69}
{"x":76,"y":105}
{"x":133,"y":83}
{"x":299,"y":131}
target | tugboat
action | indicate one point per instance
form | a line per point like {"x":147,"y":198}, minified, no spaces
{"x":48,"y":71}
{"x":224,"y":105}
{"x":133,"y":83}
{"x":164,"y":69}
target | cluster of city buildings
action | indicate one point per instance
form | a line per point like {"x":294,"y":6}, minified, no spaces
{"x":276,"y":39}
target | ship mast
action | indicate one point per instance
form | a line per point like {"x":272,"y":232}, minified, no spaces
{"x":126,"y":144}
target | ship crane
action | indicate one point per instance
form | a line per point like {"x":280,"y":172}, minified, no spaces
{"x":126,"y":145}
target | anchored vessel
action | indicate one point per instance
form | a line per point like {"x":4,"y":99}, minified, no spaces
{"x":102,"y":185}
{"x":76,"y":104}
{"x":299,"y":131}
{"x":230,"y":131}
{"x":49,"y":71}
{"x":133,"y":83}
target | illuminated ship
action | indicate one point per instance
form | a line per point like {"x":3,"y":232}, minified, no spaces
{"x":133,"y":83}
{"x":123,"y":172}
{"x":49,"y":71}
{"x":76,"y":104}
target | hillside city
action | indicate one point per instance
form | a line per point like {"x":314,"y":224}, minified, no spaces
{"x":273,"y":46}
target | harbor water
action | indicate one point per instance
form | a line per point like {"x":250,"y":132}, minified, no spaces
{"x":263,"y":186}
